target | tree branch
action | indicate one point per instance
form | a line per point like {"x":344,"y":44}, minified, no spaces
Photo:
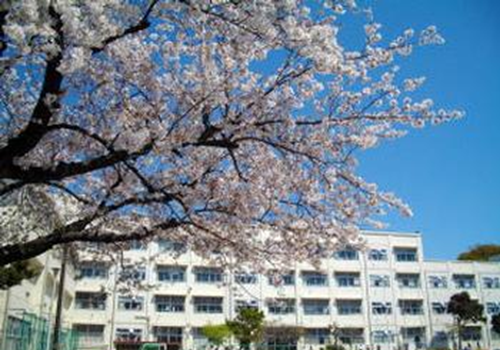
{"x":74,"y":232}
{"x":27,"y":139}
{"x":3,"y":20}
{"x":143,"y":24}
{"x":64,"y":170}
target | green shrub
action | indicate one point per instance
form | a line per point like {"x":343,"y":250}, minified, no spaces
{"x":334,"y":347}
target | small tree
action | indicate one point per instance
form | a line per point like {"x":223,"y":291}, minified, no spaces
{"x":216,"y":334}
{"x":248,"y":326}
{"x":495,"y":323}
{"x":465,"y":310}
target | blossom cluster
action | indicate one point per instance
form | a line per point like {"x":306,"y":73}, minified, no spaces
{"x":253,"y":113}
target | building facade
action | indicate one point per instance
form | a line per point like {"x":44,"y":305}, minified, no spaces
{"x":385,"y":296}
{"x":27,"y":311}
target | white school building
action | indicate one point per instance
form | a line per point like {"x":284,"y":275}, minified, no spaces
{"x":387,"y":296}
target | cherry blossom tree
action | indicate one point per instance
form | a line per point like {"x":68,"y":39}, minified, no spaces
{"x":206,"y":122}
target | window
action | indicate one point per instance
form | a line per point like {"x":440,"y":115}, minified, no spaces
{"x":279,"y":339}
{"x":89,"y":333}
{"x":492,"y":308}
{"x":208,"y":275}
{"x":316,"y":306}
{"x":379,"y":281}
{"x":383,"y":336}
{"x":245,"y":278}
{"x":317,"y":336}
{"x":471,"y":334}
{"x":281,"y":306}
{"x":136,"y":273}
{"x":173,"y":274}
{"x":411,"y":307}
{"x":464,"y":281}
{"x":90,"y":301}
{"x":281,"y":279}
{"x":170,"y":335}
{"x":405,"y":254}
{"x":377,"y":255}
{"x":199,"y":339}
{"x":351,"y":335}
{"x":314,"y":279}
{"x":408,"y":280}
{"x":347,"y":279}
{"x":93,"y":270}
{"x":130,"y":303}
{"x":491,"y":282}
{"x":414,"y":334}
{"x":347,"y":254}
{"x":438,"y":282}
{"x":167,"y":245}
{"x":246,"y":304}
{"x":129,"y":334}
{"x":381,"y":308}
{"x":440,"y":336}
{"x":439,"y":308}
{"x":349,"y":307}
{"x":208,"y":305}
{"x":137,"y":245}
{"x":169,"y":303}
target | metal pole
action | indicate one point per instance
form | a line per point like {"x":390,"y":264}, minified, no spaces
{"x":113,"y":303}
{"x":51,"y":307}
{"x":60,"y":297}
{"x":6,"y":319}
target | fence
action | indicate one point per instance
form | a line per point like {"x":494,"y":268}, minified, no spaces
{"x":31,"y":332}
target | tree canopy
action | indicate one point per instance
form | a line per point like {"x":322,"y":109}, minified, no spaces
{"x":481,"y":252}
{"x":248,"y":326}
{"x":216,"y":334}
{"x":203,"y":122}
{"x":465,"y":310}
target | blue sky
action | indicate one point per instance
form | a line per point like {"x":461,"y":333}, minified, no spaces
{"x":449,"y":174}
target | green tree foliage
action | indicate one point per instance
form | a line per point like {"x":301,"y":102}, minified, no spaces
{"x":248,"y":326}
{"x":481,"y":252}
{"x":464,"y":310}
{"x":334,"y":347}
{"x":216,"y":334}
{"x":13,"y":274}
{"x":495,"y":323}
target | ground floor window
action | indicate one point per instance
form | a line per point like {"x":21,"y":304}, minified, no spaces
{"x":471,"y":334}
{"x":168,"y":334}
{"x":128,"y":334}
{"x":199,"y":339}
{"x":279,"y":344}
{"x":383,"y":336}
{"x":89,"y":333}
{"x":351,"y":336}
{"x":317,"y":336}
{"x":282,"y":338}
{"x":415,"y":335}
